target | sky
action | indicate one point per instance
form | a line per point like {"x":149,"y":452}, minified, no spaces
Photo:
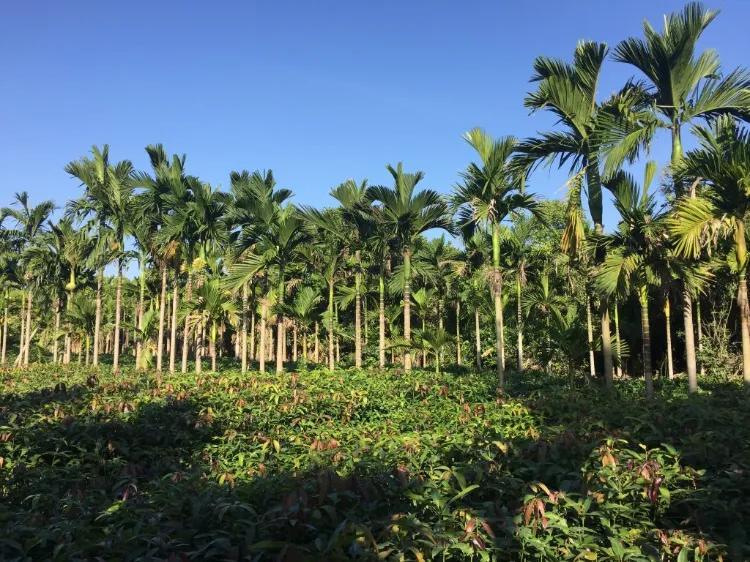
{"x":316,"y":91}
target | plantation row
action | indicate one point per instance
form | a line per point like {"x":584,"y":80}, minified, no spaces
{"x":535,"y":284}
{"x":367,"y":465}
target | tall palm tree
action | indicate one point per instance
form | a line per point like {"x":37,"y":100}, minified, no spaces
{"x":30,"y":223}
{"x":684,"y":87}
{"x":722,"y":162}
{"x":354,"y":210}
{"x":406,"y":214}
{"x":212,"y":306}
{"x":636,"y":253}
{"x":490,"y":192}
{"x":586,"y":128}
{"x":108,"y":198}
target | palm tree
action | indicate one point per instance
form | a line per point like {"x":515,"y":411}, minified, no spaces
{"x":212,"y":306}
{"x":303,"y":310}
{"x":354,"y":210}
{"x":684,"y":88}
{"x":490,"y":192}
{"x":406,"y":214}
{"x":545,"y":303}
{"x":30,"y":223}
{"x":587,"y":127}
{"x":636,"y":254}
{"x":107,"y":197}
{"x":722,"y":163}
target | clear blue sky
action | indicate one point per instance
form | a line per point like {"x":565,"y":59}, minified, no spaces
{"x":317,"y":91}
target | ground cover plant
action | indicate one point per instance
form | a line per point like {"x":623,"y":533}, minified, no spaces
{"x":368,"y":465}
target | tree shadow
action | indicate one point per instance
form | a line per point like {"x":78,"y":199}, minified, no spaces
{"x":161,"y":476}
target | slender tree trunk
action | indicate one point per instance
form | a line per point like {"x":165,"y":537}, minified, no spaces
{"x":55,"y":358}
{"x":687,"y":318}
{"x":317,"y":343}
{"x":173,"y":334}
{"x":458,"y":333}
{"x":199,"y":338}
{"x":331,"y":321}
{"x":519,"y":324}
{"x":162,"y":306}
{"x":98,"y":316}
{"x":263,"y":332}
{"x":118,"y":313}
{"x":590,"y":335}
{"x":357,"y":314}
{"x":253,"y":347}
{"x":477,"y":339}
{"x":4,"y":350}
{"x":212,"y":343}
{"x":699,"y":331}
{"x":381,"y":321}
{"x":243,"y":335}
{"x":646,"y":331}
{"x":606,"y":343}
{"x":304,"y":344}
{"x":294,"y":342}
{"x":742,"y":303}
{"x":27,"y":349}
{"x":87,"y":349}
{"x":22,"y":335}
{"x":280,"y":335}
{"x":407,"y":307}
{"x":498,"y":300}
{"x":617,"y":339}
{"x":139,"y":341}
{"x":668,"y":324}
{"x":186,"y":325}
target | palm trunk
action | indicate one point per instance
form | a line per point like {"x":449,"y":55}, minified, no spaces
{"x":186,"y":325}
{"x":22,"y":335}
{"x":617,"y":338}
{"x":331,"y":320}
{"x":294,"y":342}
{"x":173,"y":334}
{"x":162,"y":306}
{"x":590,"y":336}
{"x":742,"y":303}
{"x":263,"y":331}
{"x":498,"y":299}
{"x":141,"y":305}
{"x":317,"y":343}
{"x":253,"y":347}
{"x":280,"y":335}
{"x":519,"y":324}
{"x":304,"y":344}
{"x":98,"y":317}
{"x":28,"y":331}
{"x":55,"y":357}
{"x":646,"y":331}
{"x":118,"y":313}
{"x":357,"y":315}
{"x":699,"y":331}
{"x":243,"y":335}
{"x":458,"y":333}
{"x":687,"y":301}
{"x":668,"y":325}
{"x":477,"y":339}
{"x":87,"y":348}
{"x":407,"y":307}
{"x":212,"y":343}
{"x":606,"y":343}
{"x":199,"y":347}
{"x":4,"y":350}
{"x":381,"y":321}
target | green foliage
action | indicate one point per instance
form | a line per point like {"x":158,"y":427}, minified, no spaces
{"x":365,"y":465}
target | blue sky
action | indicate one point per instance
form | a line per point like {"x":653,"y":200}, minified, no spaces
{"x":317,"y":91}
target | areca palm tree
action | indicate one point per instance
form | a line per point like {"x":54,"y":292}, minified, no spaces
{"x":303,"y":310}
{"x":636,"y":254}
{"x":542,"y":300}
{"x":722,"y":163}
{"x":587,"y":128}
{"x":108,"y":198}
{"x":406,"y":214}
{"x":212,"y":307}
{"x":684,"y":87}
{"x":30,"y":223}
{"x":491,"y":191}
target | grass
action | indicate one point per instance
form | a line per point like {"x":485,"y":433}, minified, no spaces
{"x":368,"y":465}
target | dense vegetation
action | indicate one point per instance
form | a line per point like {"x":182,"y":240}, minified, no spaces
{"x":415,"y":466}
{"x":518,"y":387}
